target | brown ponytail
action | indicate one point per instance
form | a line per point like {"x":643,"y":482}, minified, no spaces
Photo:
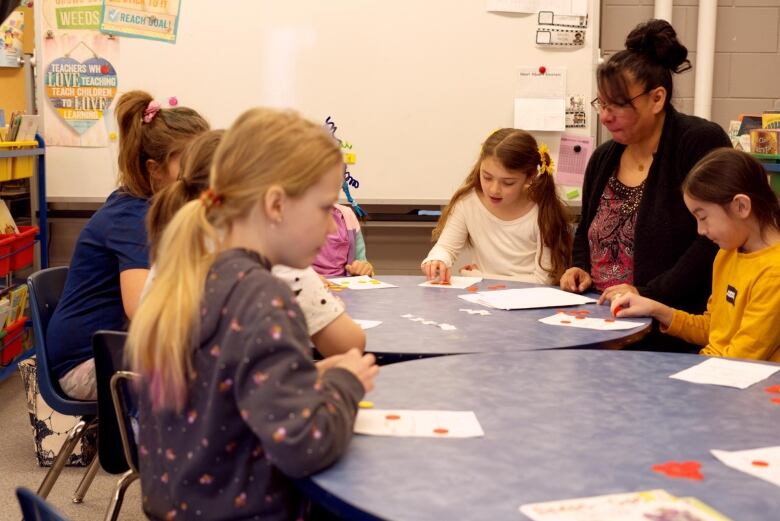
{"x":196,"y":162}
{"x":163,"y":137}
{"x":553,"y":217}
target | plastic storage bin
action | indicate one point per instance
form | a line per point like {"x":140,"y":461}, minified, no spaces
{"x":12,"y":341}
{"x":16,"y":250}
{"x":16,"y":167}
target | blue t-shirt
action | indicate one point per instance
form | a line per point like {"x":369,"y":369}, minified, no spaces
{"x":112,"y":241}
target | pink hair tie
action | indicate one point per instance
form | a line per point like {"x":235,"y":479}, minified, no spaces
{"x":151,"y":111}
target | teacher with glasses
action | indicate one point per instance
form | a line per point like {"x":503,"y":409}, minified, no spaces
{"x":635,"y":233}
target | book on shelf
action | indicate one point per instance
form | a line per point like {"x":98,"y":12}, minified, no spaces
{"x":7,"y":223}
{"x":28,"y":127}
{"x":22,"y":127}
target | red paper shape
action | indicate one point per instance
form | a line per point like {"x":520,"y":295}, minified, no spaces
{"x":680,"y":469}
{"x":776,"y":400}
{"x":772,"y":389}
{"x":759,"y":463}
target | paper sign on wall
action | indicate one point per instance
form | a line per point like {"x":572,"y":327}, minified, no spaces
{"x":11,"y":31}
{"x":80,"y":81}
{"x":74,"y":15}
{"x":511,"y":6}
{"x":540,"y":99}
{"x":149,"y":19}
{"x":573,"y":156}
{"x":80,"y":92}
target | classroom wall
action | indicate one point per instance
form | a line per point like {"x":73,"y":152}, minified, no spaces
{"x":747,"y":75}
{"x":747,"y":51}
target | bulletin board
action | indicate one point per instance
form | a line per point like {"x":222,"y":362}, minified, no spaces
{"x":412,"y":86}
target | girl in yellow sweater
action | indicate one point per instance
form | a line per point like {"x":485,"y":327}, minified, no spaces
{"x":728,"y":194}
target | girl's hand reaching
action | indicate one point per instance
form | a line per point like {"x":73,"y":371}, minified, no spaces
{"x":437,"y":271}
{"x":360,"y":267}
{"x":627,"y":305}
{"x":362,"y":366}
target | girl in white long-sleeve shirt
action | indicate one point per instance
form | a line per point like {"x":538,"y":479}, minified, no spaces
{"x":508,"y":211}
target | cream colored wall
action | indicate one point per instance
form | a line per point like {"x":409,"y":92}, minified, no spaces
{"x":747,"y":76}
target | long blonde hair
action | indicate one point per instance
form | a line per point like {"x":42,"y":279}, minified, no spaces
{"x":264,"y":147}
{"x":518,"y":151}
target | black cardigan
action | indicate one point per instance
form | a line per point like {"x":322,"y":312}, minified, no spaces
{"x":672,"y":264}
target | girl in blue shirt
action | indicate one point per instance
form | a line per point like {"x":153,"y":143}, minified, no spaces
{"x":111,"y":261}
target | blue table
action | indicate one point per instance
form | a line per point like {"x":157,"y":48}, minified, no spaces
{"x":558,"y":424}
{"x":518,"y":330}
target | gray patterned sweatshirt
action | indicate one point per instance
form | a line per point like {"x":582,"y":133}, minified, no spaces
{"x":258,"y":413}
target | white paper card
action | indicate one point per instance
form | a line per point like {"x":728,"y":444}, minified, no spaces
{"x":565,"y":320}
{"x":511,"y":6}
{"x":634,"y":506}
{"x":540,"y":99}
{"x":762,"y":463}
{"x":576,"y":7}
{"x":426,"y":424}
{"x":528,"y":298}
{"x":729,"y":373}
{"x":540,"y":114}
{"x":456,"y":282}
{"x":367,"y":324}
{"x":361,"y":282}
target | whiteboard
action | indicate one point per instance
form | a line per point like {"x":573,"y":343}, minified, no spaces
{"x":414,"y":85}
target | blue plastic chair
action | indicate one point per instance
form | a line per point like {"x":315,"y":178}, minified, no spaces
{"x":45,"y":288}
{"x":35,"y":508}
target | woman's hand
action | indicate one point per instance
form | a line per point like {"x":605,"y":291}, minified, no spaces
{"x":614,"y":291}
{"x":436,"y":270}
{"x":576,"y":280}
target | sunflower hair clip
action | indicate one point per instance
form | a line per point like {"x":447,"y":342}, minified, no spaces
{"x":546,"y":164}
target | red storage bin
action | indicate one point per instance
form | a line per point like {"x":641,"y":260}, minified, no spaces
{"x":16,"y":250}
{"x":6,"y":243}
{"x":12,"y":341}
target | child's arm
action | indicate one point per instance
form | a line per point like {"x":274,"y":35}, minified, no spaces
{"x":360,"y":267}
{"x":303,"y":418}
{"x":691,"y":328}
{"x":331,"y":329}
{"x":451,"y":242}
{"x":339,"y":336}
{"x":633,"y":305}
{"x":131,"y":286}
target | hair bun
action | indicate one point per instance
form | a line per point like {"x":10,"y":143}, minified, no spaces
{"x":657,"y":40}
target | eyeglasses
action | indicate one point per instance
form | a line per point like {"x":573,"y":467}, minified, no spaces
{"x":600,"y":105}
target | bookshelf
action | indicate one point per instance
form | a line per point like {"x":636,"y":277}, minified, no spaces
{"x":16,"y":194}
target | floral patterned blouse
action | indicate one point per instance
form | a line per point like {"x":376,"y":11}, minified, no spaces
{"x":258,"y":413}
{"x":611,"y":235}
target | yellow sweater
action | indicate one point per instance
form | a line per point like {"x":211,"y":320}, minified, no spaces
{"x":743,"y":313}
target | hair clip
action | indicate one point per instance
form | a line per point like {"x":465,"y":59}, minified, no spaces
{"x":151,"y":111}
{"x":209,"y":198}
{"x":546,"y":163}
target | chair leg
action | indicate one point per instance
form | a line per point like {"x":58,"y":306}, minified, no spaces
{"x":86,"y":481}
{"x":74,"y":436}
{"x":119,"y":495}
